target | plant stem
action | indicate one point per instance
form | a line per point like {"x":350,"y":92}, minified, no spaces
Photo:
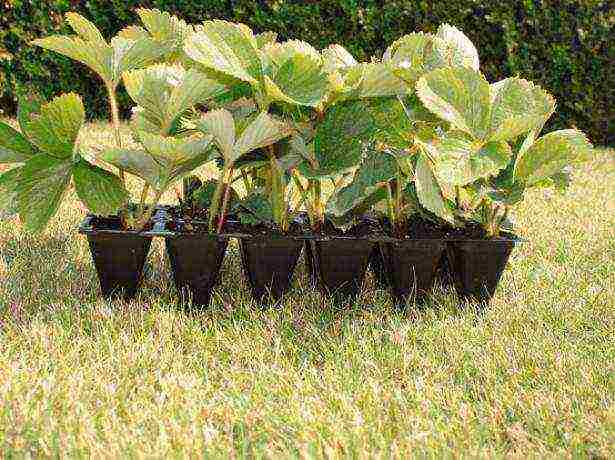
{"x":150,"y":210}
{"x":304,"y":196}
{"x":115,"y":120}
{"x":144,"y":193}
{"x":215,"y":202}
{"x":391,"y":207}
{"x":225,"y":200}
{"x":318,"y":211}
{"x":246,"y":182}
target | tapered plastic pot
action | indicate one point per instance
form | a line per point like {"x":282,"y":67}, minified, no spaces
{"x":119,"y":258}
{"x":338,"y":265}
{"x":268,"y":263}
{"x":195,"y":263}
{"x":377,"y":267}
{"x":477,"y":265}
{"x":411,"y":267}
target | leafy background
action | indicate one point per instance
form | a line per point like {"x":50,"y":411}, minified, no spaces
{"x":565,"y":46}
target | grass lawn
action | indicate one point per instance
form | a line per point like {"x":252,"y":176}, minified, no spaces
{"x":534,"y":374}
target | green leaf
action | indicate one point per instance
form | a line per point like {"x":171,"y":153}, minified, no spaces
{"x":133,"y":33}
{"x":518,"y":106}
{"x":134,"y":54}
{"x":85,"y":29}
{"x":336,"y":57}
{"x":42,"y":183}
{"x":227,"y":48}
{"x":265,"y":39}
{"x":167,"y":92}
{"x":96,"y":56}
{"x":460,"y":160}
{"x":220,"y":124}
{"x":459,"y":50}
{"x":101,"y":191}
{"x":374,"y":79}
{"x":460,"y":96}
{"x":263,"y":131}
{"x":14,"y":148}
{"x":341,"y":138}
{"x":413,"y":55}
{"x":166,"y":29}
{"x":136,"y":162}
{"x":377,"y":169}
{"x":171,"y":152}
{"x":255,"y":209}
{"x":550,"y":154}
{"x":130,"y":49}
{"x":163,"y":26}
{"x":9,"y":183}
{"x":306,"y":151}
{"x":54,"y":126}
{"x":392,"y":125}
{"x":194,"y":88}
{"x":428,"y":190}
{"x":299,"y":77}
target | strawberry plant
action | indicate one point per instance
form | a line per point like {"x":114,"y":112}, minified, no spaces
{"x":48,"y":160}
{"x":474,"y":160}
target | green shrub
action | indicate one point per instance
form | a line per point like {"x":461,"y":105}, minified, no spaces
{"x":562,"y":45}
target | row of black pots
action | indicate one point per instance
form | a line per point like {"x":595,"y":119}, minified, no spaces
{"x":336,"y":266}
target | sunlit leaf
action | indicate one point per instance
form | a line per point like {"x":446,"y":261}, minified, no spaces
{"x":171,"y":152}
{"x":263,"y":131}
{"x":299,"y":77}
{"x":460,"y":160}
{"x":9,"y":188}
{"x":14,"y":147}
{"x":550,"y":154}
{"x":54,"y":126}
{"x":413,"y":55}
{"x":341,"y":138}
{"x":166,"y":92}
{"x":227,"y":48}
{"x":101,"y":191}
{"x":376,"y":170}
{"x":518,"y":106}
{"x":337,"y":57}
{"x":460,"y":51}
{"x":266,"y":38}
{"x":220,"y":124}
{"x":460,"y":96}
{"x":374,"y":79}
{"x":96,"y":56}
{"x":43,"y":180}
{"x":428,"y":189}
{"x":136,"y":162}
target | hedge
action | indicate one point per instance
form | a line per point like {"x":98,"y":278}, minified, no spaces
{"x":563,"y":45}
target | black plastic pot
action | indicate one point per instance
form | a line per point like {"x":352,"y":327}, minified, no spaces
{"x":411,"y":267}
{"x":269,"y":263}
{"x":337,"y":265}
{"x":119,"y":258}
{"x":376,"y":265}
{"x":477,"y":265}
{"x":195,"y":262}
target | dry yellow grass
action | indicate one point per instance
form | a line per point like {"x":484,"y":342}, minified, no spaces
{"x":533,"y":375}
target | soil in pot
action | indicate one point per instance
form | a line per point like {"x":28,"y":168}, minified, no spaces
{"x":478,"y":264}
{"x":119,"y":257}
{"x":268,"y":263}
{"x":195,"y":262}
{"x":411,"y":267}
{"x":337,"y":263}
